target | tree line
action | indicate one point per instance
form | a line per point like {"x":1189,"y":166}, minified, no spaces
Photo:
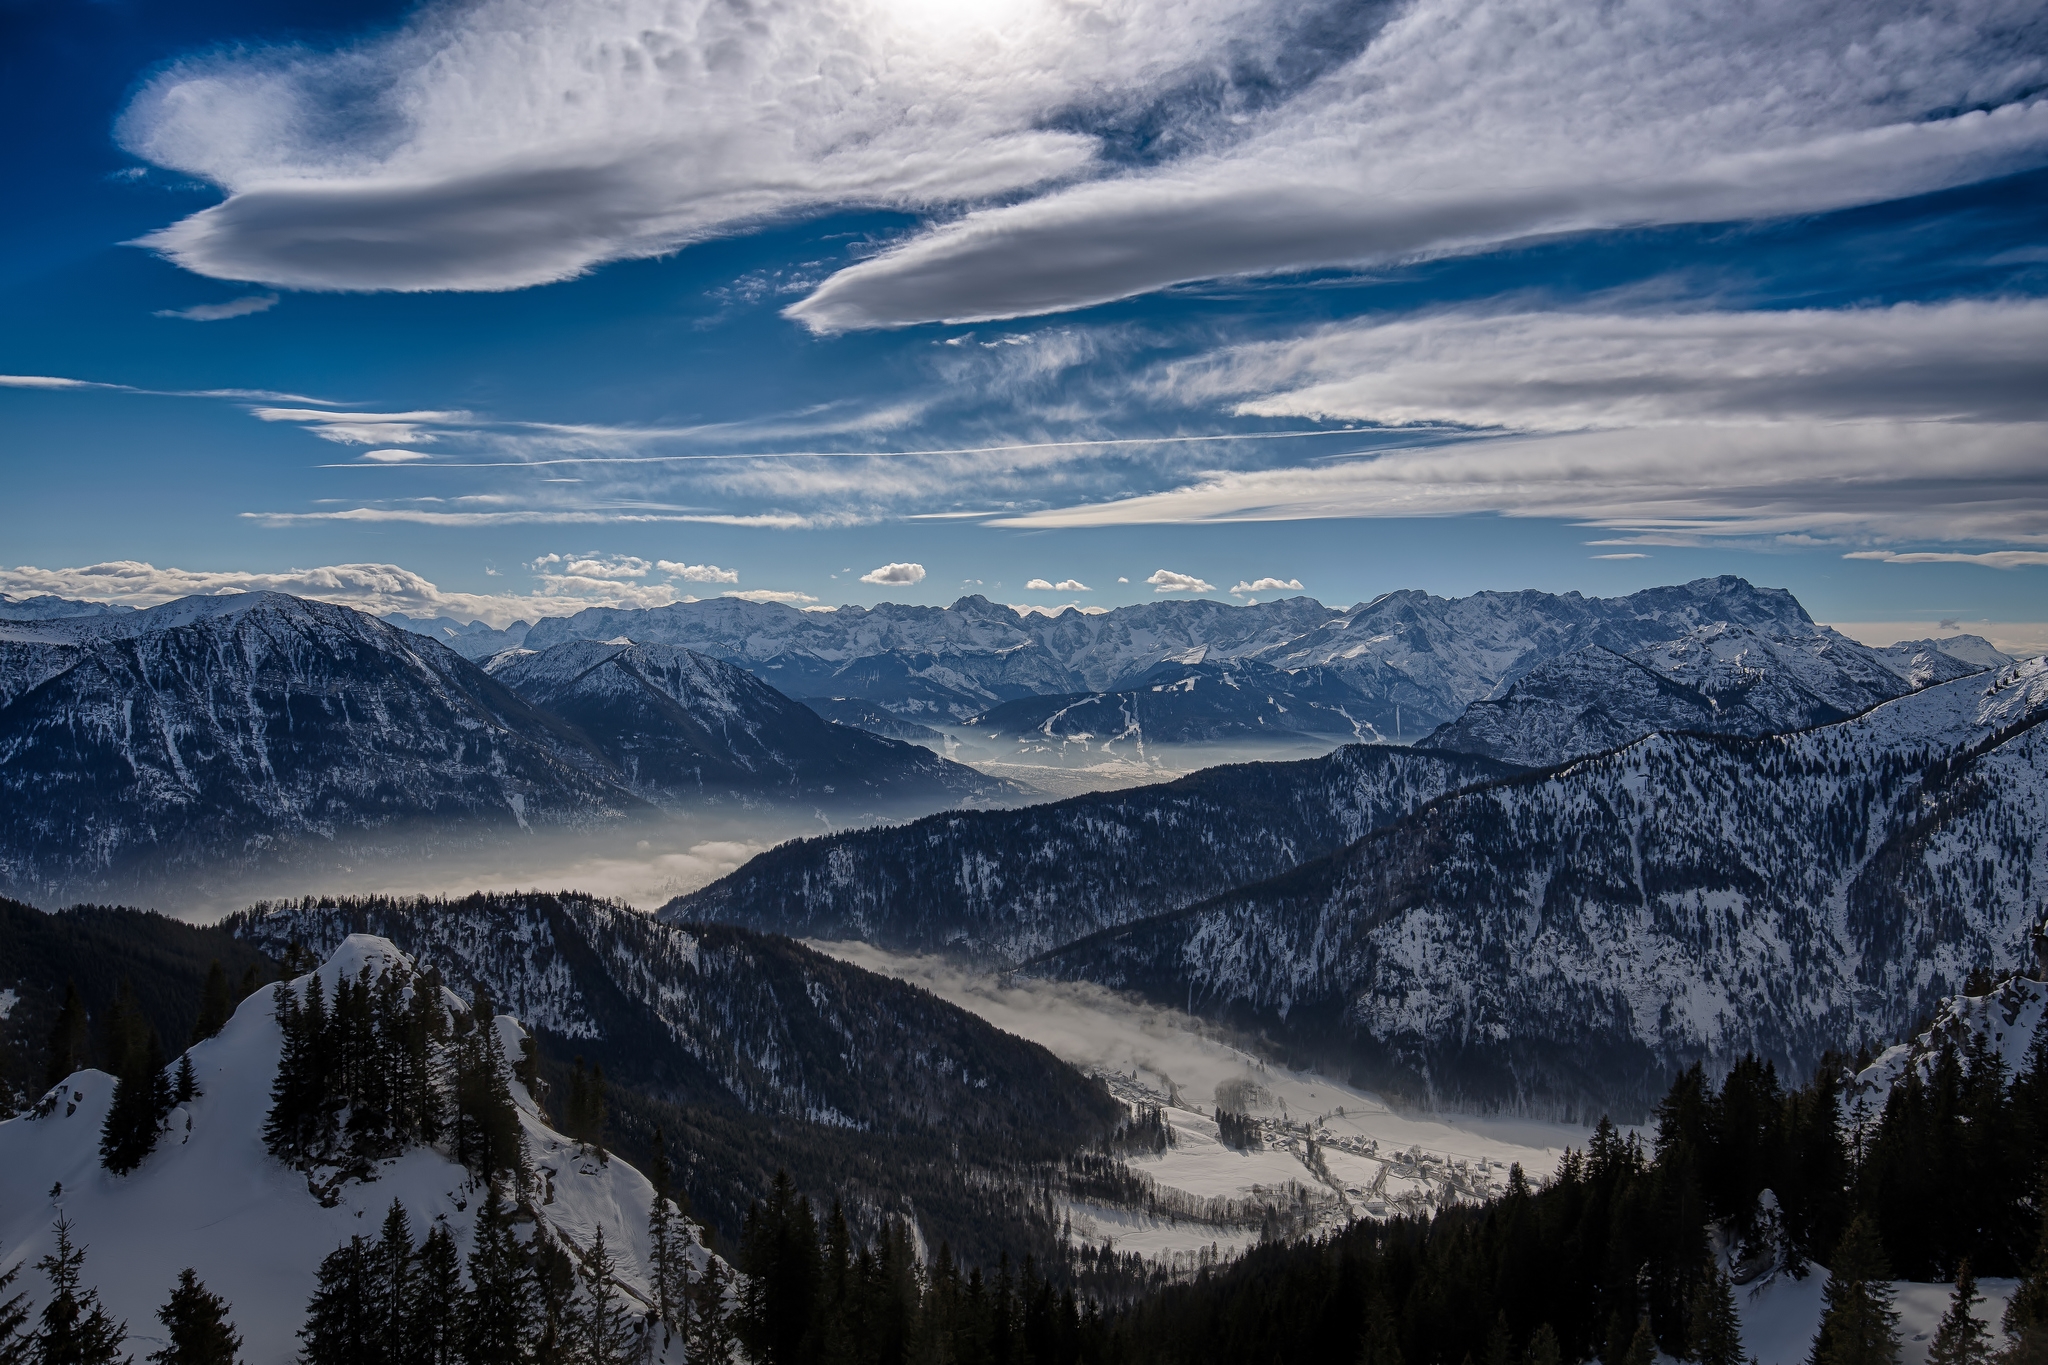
{"x":74,"y":1327}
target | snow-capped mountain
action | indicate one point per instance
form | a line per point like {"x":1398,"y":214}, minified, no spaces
{"x":224,"y":732}
{"x":678,"y":725}
{"x":1567,"y":936}
{"x":213,"y":737}
{"x":46,"y":607}
{"x":1182,"y":703}
{"x":211,"y":1197}
{"x":1718,"y":679}
{"x":1412,"y":661}
{"x":474,"y":641}
{"x":1003,"y":885}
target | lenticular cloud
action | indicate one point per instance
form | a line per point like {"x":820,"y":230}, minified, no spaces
{"x":518,"y":142}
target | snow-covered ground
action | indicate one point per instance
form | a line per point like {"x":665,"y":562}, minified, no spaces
{"x":1329,"y":1150}
{"x":1780,"y":1316}
{"x":210,"y":1197}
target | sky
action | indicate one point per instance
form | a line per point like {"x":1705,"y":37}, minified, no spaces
{"x":500,"y":309}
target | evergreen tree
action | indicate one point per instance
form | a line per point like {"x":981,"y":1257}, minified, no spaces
{"x":1543,"y":1347}
{"x":187,"y":1088}
{"x":1961,"y":1339}
{"x":15,"y":1345}
{"x":1859,"y":1326}
{"x":1382,"y":1341}
{"x":501,"y":1312}
{"x":604,"y":1326}
{"x":434,"y":1334}
{"x":711,"y":1339}
{"x":68,"y":1039}
{"x":2026,"y":1312}
{"x":779,"y":1256}
{"x":196,"y":1325}
{"x":667,"y":1244}
{"x":74,"y":1329}
{"x":1642,"y":1347}
{"x":215,"y":1005}
{"x":487,"y":1135}
{"x":342,"y":1326}
{"x":1716,"y":1328}
{"x":142,"y":1099}
{"x":392,"y":1285}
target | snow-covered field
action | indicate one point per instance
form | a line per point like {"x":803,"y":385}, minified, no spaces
{"x":1329,"y":1150}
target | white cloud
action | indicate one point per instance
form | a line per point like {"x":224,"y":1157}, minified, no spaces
{"x":1123,"y":580}
{"x":607,"y":567}
{"x":364,"y":428}
{"x":1266,"y":585}
{"x":1990,"y":559}
{"x":770,"y":595}
{"x":1038,"y":585}
{"x":47,"y":381}
{"x":1166,"y":580}
{"x":393,"y":456}
{"x":515,"y":142}
{"x":1467,"y":123}
{"x":1565,"y":371}
{"x":375,"y":588}
{"x":1071,"y":585}
{"x":895,"y":575}
{"x":215,"y":312}
{"x":1829,"y":479}
{"x":698,"y":573}
{"x":1637,"y":555}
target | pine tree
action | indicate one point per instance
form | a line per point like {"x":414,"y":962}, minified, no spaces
{"x":74,"y":1329}
{"x":1642,"y":1347}
{"x":487,"y":1133}
{"x":215,"y":1006}
{"x":15,"y":1345}
{"x":603,"y":1325}
{"x":341,"y":1325}
{"x":1961,"y":1339}
{"x":671,"y":1262}
{"x":501,"y":1312}
{"x":68,"y":1039}
{"x":434,"y":1333}
{"x":2026,"y":1312}
{"x":196,"y":1325}
{"x":187,"y":1087}
{"x":1859,"y":1325}
{"x":711,"y":1340}
{"x":391,"y":1285}
{"x":1716,"y":1328}
{"x":1382,"y":1343}
{"x":1543,"y":1347}
{"x":142,"y":1098}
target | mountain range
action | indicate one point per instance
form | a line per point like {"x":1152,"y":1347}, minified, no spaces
{"x":210,"y":736}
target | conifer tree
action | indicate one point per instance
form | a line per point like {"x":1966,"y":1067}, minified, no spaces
{"x":391,"y":1285}
{"x":187,"y":1088}
{"x":1543,"y":1347}
{"x":1859,"y":1325}
{"x":215,"y":1006}
{"x":1961,"y":1339}
{"x":603,"y":1324}
{"x":2026,"y":1312}
{"x":434,"y":1334}
{"x":68,"y":1039}
{"x":15,"y":1344}
{"x":74,"y":1328}
{"x":1642,"y":1347}
{"x":711,"y":1339}
{"x":1716,"y":1328}
{"x":142,"y":1098}
{"x":1382,"y":1343}
{"x":342,"y":1326}
{"x":196,"y":1326}
{"x":501,"y":1311}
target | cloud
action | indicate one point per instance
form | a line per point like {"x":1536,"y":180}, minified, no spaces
{"x":364,"y":428}
{"x":698,"y":573}
{"x":1620,"y":556}
{"x":374,"y":588}
{"x":608,"y":567}
{"x":1266,"y":585}
{"x":1468,"y":123}
{"x":1123,"y":580}
{"x":770,"y":595}
{"x":517,"y":142}
{"x":1039,"y":585}
{"x":46,"y":381}
{"x":393,"y":456}
{"x":215,"y":312}
{"x":1990,"y":559}
{"x":1166,"y":580}
{"x":1071,"y":585}
{"x":895,"y":575}
{"x":1566,"y":371}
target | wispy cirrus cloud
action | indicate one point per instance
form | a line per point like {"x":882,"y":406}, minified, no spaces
{"x":219,"y":312}
{"x":1990,"y":559}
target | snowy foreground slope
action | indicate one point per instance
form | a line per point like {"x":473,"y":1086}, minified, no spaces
{"x":212,"y":1198}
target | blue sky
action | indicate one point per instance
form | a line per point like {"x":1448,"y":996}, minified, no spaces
{"x":512,"y":307}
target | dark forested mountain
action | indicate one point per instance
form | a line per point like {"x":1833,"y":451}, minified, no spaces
{"x":1003,"y":885}
{"x":862,"y":715}
{"x":678,"y":725}
{"x":157,"y":965}
{"x":1718,"y":679}
{"x":748,"y":1050}
{"x":219,"y":733}
{"x":214,"y":737}
{"x":1569,"y":937}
